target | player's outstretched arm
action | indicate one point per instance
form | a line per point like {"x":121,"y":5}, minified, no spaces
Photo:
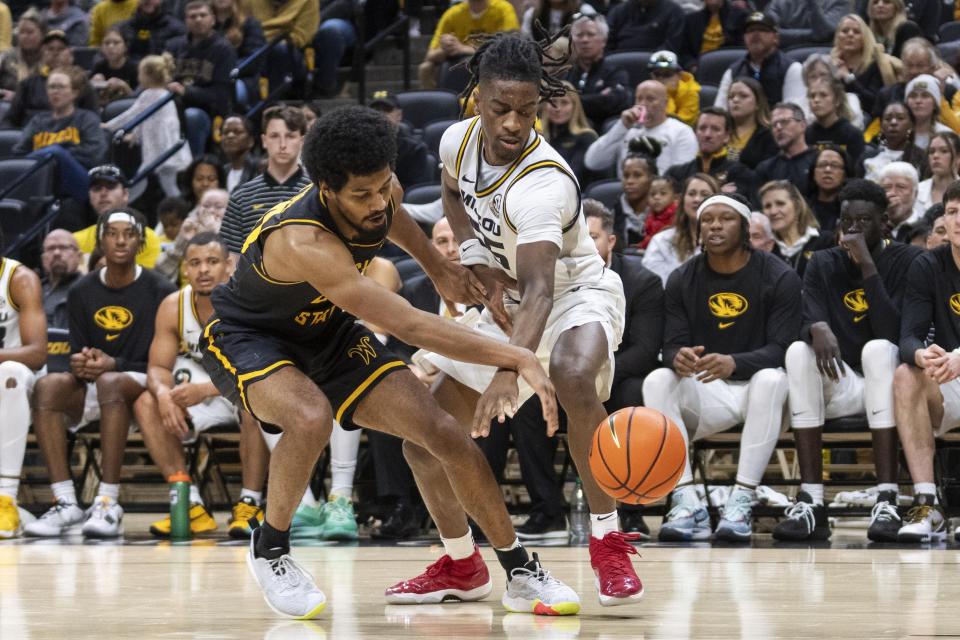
{"x":26,"y":292}
{"x":453,"y":282}
{"x":304,"y":253}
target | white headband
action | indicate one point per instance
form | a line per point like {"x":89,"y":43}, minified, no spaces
{"x":739,"y":207}
{"x":119,"y":216}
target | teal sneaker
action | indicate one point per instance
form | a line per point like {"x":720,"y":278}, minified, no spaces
{"x":307,"y":522}
{"x":736,"y":525}
{"x":338,"y":520}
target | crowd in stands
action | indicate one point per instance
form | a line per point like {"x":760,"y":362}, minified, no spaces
{"x":831,"y":125}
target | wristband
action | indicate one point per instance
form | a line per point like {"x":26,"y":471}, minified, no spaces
{"x":473,"y":253}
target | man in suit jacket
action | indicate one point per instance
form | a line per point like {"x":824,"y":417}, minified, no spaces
{"x":636,"y":357}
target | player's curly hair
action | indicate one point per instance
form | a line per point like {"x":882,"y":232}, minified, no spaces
{"x":866,"y":190}
{"x":509,"y":55}
{"x":353,"y":140}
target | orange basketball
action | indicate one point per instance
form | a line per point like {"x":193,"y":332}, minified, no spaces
{"x":637,"y":455}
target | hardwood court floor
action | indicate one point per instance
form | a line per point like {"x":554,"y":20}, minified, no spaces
{"x":142,"y":589}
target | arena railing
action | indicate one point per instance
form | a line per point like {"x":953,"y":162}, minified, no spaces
{"x":255,"y":59}
{"x":142,"y":117}
{"x":398,"y":29}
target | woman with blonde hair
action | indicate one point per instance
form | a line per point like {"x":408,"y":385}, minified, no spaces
{"x":160,"y":131}
{"x":751,"y":142}
{"x":794,"y":225}
{"x":890,"y":24}
{"x":820,"y":66}
{"x":566,"y":128}
{"x":864,"y":66}
{"x":831,"y":124}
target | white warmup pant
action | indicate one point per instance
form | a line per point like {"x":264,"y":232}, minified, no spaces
{"x":815,"y":398}
{"x":16,"y":385}
{"x":707,"y":409}
{"x":951,"y":407}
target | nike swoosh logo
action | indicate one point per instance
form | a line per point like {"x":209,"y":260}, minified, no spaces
{"x":795,"y":413}
{"x":112,"y":336}
{"x":859,"y":318}
{"x":873,"y":413}
{"x":467,"y":180}
{"x":724,"y":325}
{"x":606,"y":517}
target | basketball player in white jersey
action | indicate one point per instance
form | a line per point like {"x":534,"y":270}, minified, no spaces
{"x":23,"y":351}
{"x":514,"y":206}
{"x":181,"y":401}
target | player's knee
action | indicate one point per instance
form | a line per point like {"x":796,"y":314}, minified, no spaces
{"x":13,"y":374}
{"x":114,"y":386}
{"x":145,"y":404}
{"x":413,"y":453}
{"x":799,"y":356}
{"x":314,"y":423}
{"x":906,"y":383}
{"x":769,"y":383}
{"x":658,"y":385}
{"x":879,"y":355}
{"x":52,"y":388}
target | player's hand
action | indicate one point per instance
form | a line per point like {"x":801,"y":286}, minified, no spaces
{"x":99,"y":363}
{"x":685,"y":362}
{"x":536,"y":377}
{"x":459,"y":284}
{"x":499,"y":401}
{"x":78,"y":364}
{"x":856,"y":248}
{"x":947,"y":371}
{"x":187,"y":394}
{"x":715,"y":366}
{"x":424,"y":377}
{"x":827,"y":351}
{"x":495,"y":281}
{"x":933,"y":356}
{"x":172,"y":415}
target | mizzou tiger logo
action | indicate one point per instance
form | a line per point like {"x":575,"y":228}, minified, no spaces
{"x":955,"y":303}
{"x":856,"y":301}
{"x":113,"y":318}
{"x":727,"y":306}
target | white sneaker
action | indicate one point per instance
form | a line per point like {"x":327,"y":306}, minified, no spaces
{"x":924,"y":523}
{"x":770,"y":498}
{"x":57,"y":519}
{"x":104,"y":519}
{"x":287,"y":587}
{"x":531,"y":589}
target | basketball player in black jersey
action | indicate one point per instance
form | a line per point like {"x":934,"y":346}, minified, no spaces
{"x":285,"y":345}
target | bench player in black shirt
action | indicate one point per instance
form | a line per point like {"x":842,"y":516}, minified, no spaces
{"x":112,"y":312}
{"x":926,"y":387}
{"x":285,"y":345}
{"x":731,"y":313}
{"x":843,"y":364}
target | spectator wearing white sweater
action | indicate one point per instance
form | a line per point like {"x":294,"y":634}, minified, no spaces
{"x":647,"y":117}
{"x":160,"y":131}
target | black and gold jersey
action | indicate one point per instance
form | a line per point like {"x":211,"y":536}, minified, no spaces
{"x":294,"y":311}
{"x":932,"y":297}
{"x":119,"y":322}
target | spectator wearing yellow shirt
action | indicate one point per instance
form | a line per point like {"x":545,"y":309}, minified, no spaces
{"x":719,"y":24}
{"x":457,"y":24}
{"x":108,"y":191}
{"x":683,"y":92}
{"x":6,"y":27}
{"x":107,"y":13}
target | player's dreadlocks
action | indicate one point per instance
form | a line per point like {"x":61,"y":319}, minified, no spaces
{"x":512,"y":56}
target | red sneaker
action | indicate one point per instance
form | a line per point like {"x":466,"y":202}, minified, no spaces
{"x":446,"y":579}
{"x":617,"y":582}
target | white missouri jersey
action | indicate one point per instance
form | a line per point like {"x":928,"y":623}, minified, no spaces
{"x":9,"y":312}
{"x":534,"y":199}
{"x":189,"y":325}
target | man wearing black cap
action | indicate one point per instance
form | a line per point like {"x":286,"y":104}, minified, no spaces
{"x":415,"y":164}
{"x":108,"y":191}
{"x":31,"y":95}
{"x":781,"y":78}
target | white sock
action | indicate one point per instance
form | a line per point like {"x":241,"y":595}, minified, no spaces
{"x":459,"y":548}
{"x":344,"y":446}
{"x":64,"y":492}
{"x":108,"y":490}
{"x":13,"y":436}
{"x":888,"y":486}
{"x":928,"y":488}
{"x":308,"y":500}
{"x":9,"y":486}
{"x":195,"y":495}
{"x":686,"y":493}
{"x":603,"y":523}
{"x":256,"y":496}
{"x":815,"y":491}
{"x":516,"y":543}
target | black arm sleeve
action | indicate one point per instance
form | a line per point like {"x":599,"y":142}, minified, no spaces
{"x":78,"y":322}
{"x":782,"y":328}
{"x":814,"y":299}
{"x":676,"y":333}
{"x":639,"y":358}
{"x":884,"y":313}
{"x":917,"y":309}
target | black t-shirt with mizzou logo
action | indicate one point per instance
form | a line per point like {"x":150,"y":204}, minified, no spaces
{"x":932,"y":296}
{"x":753,"y":314}
{"x":119,"y":322}
{"x":857,"y":310}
